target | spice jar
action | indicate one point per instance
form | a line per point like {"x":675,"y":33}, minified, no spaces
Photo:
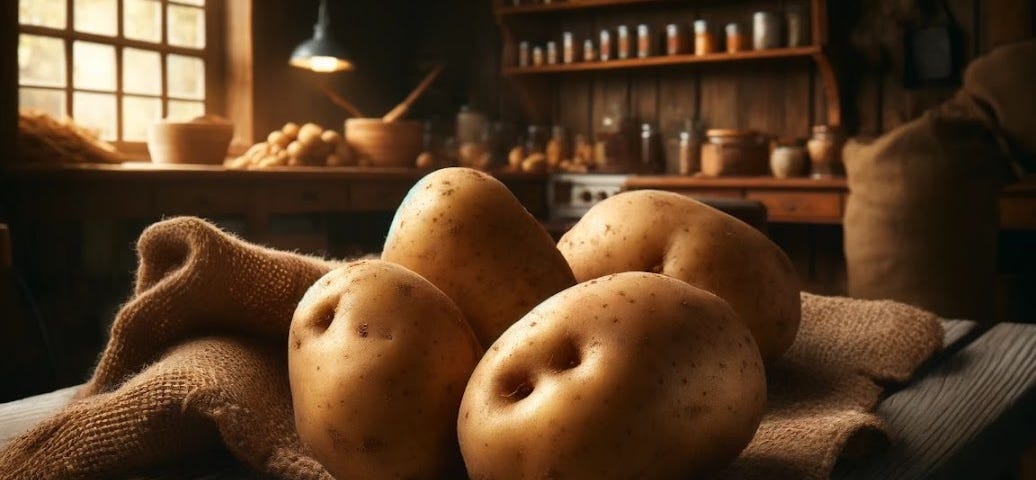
{"x":689,"y":156}
{"x":674,"y":39}
{"x":605,"y":47}
{"x":650,"y":149}
{"x":471,"y":125}
{"x":825,"y":152}
{"x":704,"y":43}
{"x":788,"y":159}
{"x":552,"y":53}
{"x":558,"y":148}
{"x":523,"y":54}
{"x":798,"y":27}
{"x":622,"y":42}
{"x":537,"y":56}
{"x":644,"y":44}
{"x":568,"y":48}
{"x":766,"y":30}
{"x":734,"y":152}
{"x":589,"y":54}
{"x":735,"y":39}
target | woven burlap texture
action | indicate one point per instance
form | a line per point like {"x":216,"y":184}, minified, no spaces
{"x":197,"y":359}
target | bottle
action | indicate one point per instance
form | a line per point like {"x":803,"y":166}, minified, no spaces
{"x":766,"y":30}
{"x":674,"y":39}
{"x":649,"y":149}
{"x":523,"y":54}
{"x":644,"y":44}
{"x":690,"y":151}
{"x":735,"y":39}
{"x":568,"y":48}
{"x":704,"y":44}
{"x":623,"y":42}
{"x":605,"y":46}
{"x":552,"y":53}
{"x":589,"y":54}
{"x":471,"y":125}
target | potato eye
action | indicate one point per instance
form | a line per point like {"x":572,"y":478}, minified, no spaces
{"x":567,"y":357}
{"x":514,"y":388}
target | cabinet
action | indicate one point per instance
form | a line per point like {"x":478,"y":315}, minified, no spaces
{"x":782,"y":91}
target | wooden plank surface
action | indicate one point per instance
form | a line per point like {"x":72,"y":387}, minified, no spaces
{"x":969,"y":417}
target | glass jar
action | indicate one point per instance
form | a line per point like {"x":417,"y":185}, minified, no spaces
{"x":589,"y":53}
{"x":704,"y":43}
{"x":729,"y":152}
{"x":605,"y":46}
{"x":523,"y":54}
{"x":622,"y":42}
{"x":825,"y":152}
{"x":558,"y":148}
{"x":689,"y":153}
{"x":537,"y":56}
{"x":471,"y":125}
{"x":644,"y":44}
{"x":735,"y":39}
{"x":552,"y":53}
{"x":568,"y":48}
{"x":650,"y":149}
{"x":615,"y":144}
{"x":766,"y":30}
{"x":674,"y":39}
{"x":797,"y":27}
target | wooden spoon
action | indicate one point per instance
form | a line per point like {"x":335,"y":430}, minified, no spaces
{"x":401,"y":109}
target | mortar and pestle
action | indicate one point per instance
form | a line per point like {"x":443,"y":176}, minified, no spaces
{"x":387,"y":141}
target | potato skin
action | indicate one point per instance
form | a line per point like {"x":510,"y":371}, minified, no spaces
{"x":466,"y":233}
{"x":634,"y":375}
{"x":668,"y":233}
{"x":378,"y":359}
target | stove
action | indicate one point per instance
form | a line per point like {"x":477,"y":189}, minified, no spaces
{"x":570,"y":195}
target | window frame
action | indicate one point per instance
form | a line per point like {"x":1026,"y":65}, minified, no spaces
{"x":211,"y":55}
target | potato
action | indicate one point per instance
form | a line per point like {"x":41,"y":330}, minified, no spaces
{"x":536,"y":163}
{"x":634,"y":375}
{"x":378,"y":359}
{"x":278,"y":138}
{"x":330,"y":137}
{"x":465,"y":232}
{"x":291,"y":129}
{"x":309,"y":134}
{"x":425,"y":160}
{"x":671,"y":234}
{"x":515,"y":158}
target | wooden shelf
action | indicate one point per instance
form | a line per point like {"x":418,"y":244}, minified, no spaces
{"x":669,"y":60}
{"x":556,"y":6}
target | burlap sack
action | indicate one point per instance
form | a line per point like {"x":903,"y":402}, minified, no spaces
{"x":197,"y":359}
{"x":921,"y":218}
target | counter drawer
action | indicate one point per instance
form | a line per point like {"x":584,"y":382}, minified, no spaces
{"x":811,"y":207}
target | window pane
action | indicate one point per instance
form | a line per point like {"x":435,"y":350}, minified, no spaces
{"x":186,"y":26}
{"x":142,"y":20}
{"x":200,"y":3}
{"x":41,"y":60}
{"x":95,"y":110}
{"x":138,"y":113}
{"x":95,"y":16}
{"x":50,"y":101}
{"x":183,"y":110}
{"x":93,"y":66}
{"x":141,"y":71}
{"x":46,"y":13}
{"x":186,"y":77}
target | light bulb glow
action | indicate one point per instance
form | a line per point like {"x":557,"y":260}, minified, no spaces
{"x":323,"y":64}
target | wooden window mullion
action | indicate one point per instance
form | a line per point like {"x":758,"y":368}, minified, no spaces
{"x":69,"y":64}
{"x":162,"y":4}
{"x":120,"y":35}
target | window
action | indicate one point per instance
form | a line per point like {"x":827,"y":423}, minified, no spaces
{"x":116,"y":65}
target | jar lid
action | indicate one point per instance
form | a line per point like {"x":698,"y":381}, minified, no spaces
{"x":701,"y":26}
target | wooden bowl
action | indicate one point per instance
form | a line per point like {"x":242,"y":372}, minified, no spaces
{"x":199,"y":141}
{"x":394,"y":144}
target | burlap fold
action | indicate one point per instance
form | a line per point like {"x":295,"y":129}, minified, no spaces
{"x":197,"y":360}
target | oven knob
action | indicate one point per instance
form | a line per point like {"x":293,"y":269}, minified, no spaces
{"x":602,"y":195}
{"x":586,"y":196}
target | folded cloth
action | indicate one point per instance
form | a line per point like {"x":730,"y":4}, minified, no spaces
{"x":197,"y":359}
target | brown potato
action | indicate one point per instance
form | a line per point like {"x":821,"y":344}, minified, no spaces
{"x":634,"y":375}
{"x":278,"y":138}
{"x":330,"y":137}
{"x":465,"y":232}
{"x":309,"y":134}
{"x":671,"y":234}
{"x":378,"y":359}
{"x":291,"y":129}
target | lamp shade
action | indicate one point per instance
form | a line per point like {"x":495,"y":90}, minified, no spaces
{"x":321,"y":53}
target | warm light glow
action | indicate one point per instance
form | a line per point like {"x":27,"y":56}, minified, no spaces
{"x":322,"y":64}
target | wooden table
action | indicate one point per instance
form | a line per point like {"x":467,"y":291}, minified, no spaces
{"x":968,"y":413}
